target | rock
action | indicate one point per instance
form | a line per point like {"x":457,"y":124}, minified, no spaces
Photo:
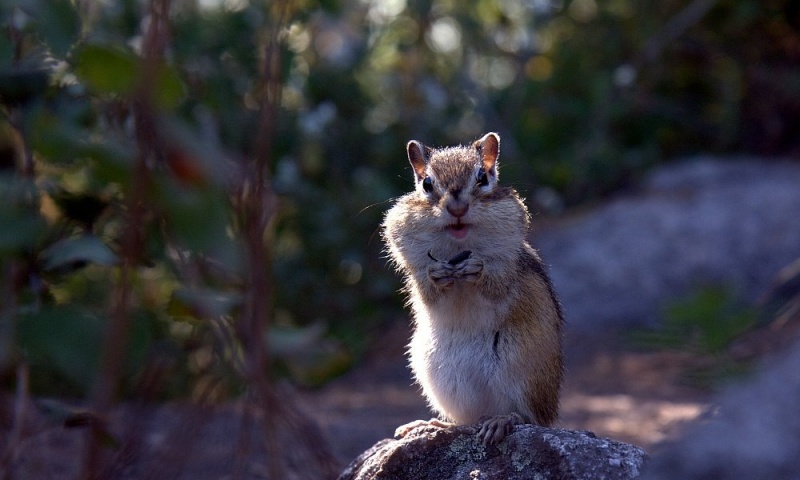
{"x":529,"y":452}
{"x":754,"y":433}
{"x":697,"y":223}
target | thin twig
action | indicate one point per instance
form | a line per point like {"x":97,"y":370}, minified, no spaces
{"x":259,"y":204}
{"x":13,"y":272}
{"x":132,"y":241}
{"x":259,"y":208}
{"x":14,"y":439}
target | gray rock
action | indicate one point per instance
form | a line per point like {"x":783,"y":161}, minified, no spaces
{"x":754,"y":434}
{"x":702,"y":222}
{"x":529,"y":452}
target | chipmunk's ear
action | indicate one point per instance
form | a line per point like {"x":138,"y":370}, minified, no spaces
{"x":418,"y":156}
{"x":488,"y":148}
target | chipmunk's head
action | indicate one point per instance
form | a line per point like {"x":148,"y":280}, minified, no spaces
{"x":452,"y":179}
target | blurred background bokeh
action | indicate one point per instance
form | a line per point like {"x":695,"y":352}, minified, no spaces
{"x":130,"y":151}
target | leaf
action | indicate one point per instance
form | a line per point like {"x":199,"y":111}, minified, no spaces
{"x":21,"y":226}
{"x":107,"y":69}
{"x":309,"y":357}
{"x":112,"y":70}
{"x":197,"y":217}
{"x":201,"y":303}
{"x":169,"y":89}
{"x":75,"y":250}
{"x":113,"y":161}
{"x":706,"y":322}
{"x":285,"y":341}
{"x":195,"y":159}
{"x":56,"y":411}
{"x":19,"y":231}
{"x":58,"y":24}
{"x":62,"y":138}
{"x":64,"y":339}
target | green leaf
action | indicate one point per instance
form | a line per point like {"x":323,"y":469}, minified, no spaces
{"x":112,"y":70}
{"x":21,"y":226}
{"x":113,"y":163}
{"x":84,"y":249}
{"x":169,"y":88}
{"x":107,"y":69}
{"x":62,"y":338}
{"x":64,"y":142}
{"x":58,"y":24}
{"x":55,"y":140}
{"x":707,"y":321}
{"x":197,"y":217}
{"x":19,"y":231}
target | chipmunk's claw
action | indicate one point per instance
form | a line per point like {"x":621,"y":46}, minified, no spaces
{"x":494,"y":429}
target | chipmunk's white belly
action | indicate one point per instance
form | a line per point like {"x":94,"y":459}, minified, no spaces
{"x":454,"y":359}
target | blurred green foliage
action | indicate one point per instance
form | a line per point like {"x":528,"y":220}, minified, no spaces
{"x":706,"y":324}
{"x":586,"y":95}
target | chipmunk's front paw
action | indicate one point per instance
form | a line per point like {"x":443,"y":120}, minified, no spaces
{"x":470,"y":270}
{"x":442,"y":274}
{"x":462,"y":266}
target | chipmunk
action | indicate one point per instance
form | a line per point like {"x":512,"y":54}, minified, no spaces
{"x":486,"y":347}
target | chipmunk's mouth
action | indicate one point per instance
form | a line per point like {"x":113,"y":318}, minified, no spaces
{"x":458,"y":230}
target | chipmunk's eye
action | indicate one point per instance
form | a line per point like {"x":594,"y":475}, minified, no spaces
{"x":427,"y":184}
{"x":483,"y":179}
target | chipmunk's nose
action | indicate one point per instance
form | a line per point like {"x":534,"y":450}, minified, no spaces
{"x":457,"y":208}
